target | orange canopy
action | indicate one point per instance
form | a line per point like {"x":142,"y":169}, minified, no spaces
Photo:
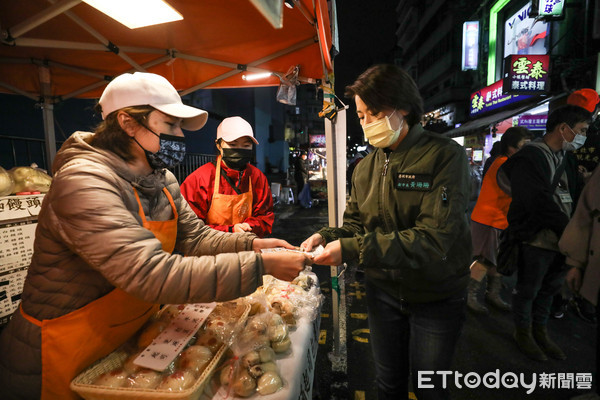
{"x":65,"y":48}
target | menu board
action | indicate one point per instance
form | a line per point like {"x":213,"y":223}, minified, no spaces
{"x":18,"y":221}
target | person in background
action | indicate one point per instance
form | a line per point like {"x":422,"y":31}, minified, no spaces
{"x":494,"y":152}
{"x":476,"y":180}
{"x":230,"y":194}
{"x":488,"y":219}
{"x":351,"y":165}
{"x":576,"y":171}
{"x":301,"y":171}
{"x":588,"y":155}
{"x":107,"y":231}
{"x":585,"y":98}
{"x":579,"y":165}
{"x":405,"y":225}
{"x":580,"y":243}
{"x":540,"y":210}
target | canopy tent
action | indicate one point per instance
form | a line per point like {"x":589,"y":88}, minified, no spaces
{"x":66,"y":48}
{"x":59,"y":49}
{"x":54,"y":50}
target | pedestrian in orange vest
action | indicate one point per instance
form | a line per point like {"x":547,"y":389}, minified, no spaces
{"x":488,"y":219}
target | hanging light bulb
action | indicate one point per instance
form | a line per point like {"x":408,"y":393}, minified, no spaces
{"x":289,"y":3}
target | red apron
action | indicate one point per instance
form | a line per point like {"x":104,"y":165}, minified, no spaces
{"x":73,"y":341}
{"x":228,"y":209}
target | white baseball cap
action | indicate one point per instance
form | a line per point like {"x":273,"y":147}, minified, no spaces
{"x":142,"y":88}
{"x":233,"y":128}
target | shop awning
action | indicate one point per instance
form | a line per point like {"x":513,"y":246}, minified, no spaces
{"x":484,"y":122}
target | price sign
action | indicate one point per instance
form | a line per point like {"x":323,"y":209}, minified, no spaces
{"x":170,"y":342}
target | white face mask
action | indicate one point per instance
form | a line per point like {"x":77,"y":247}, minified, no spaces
{"x":380,"y":133}
{"x":578,"y":141}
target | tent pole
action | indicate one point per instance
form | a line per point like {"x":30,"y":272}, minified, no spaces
{"x":304,"y":12}
{"x":104,"y":40}
{"x":50,"y":137}
{"x":210,"y":82}
{"x":58,"y":44}
{"x":18,"y":91}
{"x":48,"y":114}
{"x":335,"y":139}
{"x":41,"y":17}
{"x":103,"y":82}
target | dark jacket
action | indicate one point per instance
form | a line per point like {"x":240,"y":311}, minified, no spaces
{"x":405,"y":221}
{"x":535,"y":206}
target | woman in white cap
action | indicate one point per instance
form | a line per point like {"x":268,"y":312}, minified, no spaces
{"x":235,"y":197}
{"x":103,"y":256}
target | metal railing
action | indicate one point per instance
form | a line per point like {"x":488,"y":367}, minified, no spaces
{"x":191,"y":162}
{"x":20,"y":151}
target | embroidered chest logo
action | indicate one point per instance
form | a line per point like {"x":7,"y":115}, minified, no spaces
{"x":417,"y":182}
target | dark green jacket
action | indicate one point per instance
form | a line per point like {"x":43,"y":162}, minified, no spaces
{"x":406,"y":224}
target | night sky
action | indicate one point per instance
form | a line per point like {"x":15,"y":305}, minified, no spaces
{"x":367,"y":36}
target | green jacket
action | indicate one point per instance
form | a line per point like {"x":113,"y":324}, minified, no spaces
{"x":405,"y":221}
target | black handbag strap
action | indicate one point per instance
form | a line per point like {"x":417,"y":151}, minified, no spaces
{"x":231,"y":183}
{"x":559,"y":171}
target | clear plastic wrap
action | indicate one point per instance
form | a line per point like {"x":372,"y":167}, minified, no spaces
{"x":201,"y":353}
{"x":299,"y":299}
{"x":30,"y":179}
{"x":6,"y":183}
{"x":252,"y":368}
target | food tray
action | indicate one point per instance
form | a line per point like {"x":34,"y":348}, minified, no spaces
{"x":83,"y":385}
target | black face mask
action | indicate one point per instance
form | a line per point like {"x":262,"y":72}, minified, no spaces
{"x":170,"y":154}
{"x":237,"y":158}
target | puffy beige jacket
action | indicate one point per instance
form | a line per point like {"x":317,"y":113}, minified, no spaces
{"x":580,"y":241}
{"x":90,"y":239}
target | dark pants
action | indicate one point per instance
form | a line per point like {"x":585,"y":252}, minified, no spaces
{"x":540,"y":276}
{"x":420,"y":335}
{"x":300,"y":182}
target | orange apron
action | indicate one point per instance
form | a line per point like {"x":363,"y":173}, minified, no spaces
{"x":73,"y":341}
{"x":228,"y":209}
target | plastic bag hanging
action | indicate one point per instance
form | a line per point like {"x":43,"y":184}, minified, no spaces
{"x":286,"y":93}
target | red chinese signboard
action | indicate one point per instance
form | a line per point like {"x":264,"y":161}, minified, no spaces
{"x":526,"y":74}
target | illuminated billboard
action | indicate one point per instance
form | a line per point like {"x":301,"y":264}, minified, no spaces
{"x":470,"y":45}
{"x":526,"y":74}
{"x":524,"y":34}
{"x":491,"y":98}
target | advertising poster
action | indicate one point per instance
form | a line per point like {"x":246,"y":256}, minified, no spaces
{"x":525,"y":35}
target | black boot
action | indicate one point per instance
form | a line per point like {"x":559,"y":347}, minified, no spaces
{"x":527,"y":345}
{"x":540,"y":334}
{"x":493,"y":293}
{"x":472,"y":302}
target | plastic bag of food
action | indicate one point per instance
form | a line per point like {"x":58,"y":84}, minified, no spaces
{"x":191,"y":362}
{"x":252,"y":368}
{"x":30,"y":179}
{"x":6,"y":183}
{"x":293,"y":301}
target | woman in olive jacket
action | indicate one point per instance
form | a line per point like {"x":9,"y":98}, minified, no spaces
{"x":405,"y":224}
{"x":115,"y":238}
